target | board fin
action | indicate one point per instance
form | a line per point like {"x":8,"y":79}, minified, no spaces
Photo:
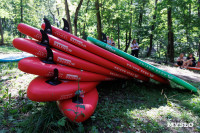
{"x":54,"y":81}
{"x":77,"y":99}
{"x":48,"y":28}
{"x":45,"y":39}
{"x":66,"y":25}
{"x":49,"y":59}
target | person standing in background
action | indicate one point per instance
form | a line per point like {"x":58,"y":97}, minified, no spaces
{"x":108,"y":41}
{"x":134,"y":48}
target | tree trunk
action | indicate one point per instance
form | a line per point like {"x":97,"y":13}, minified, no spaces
{"x":79,"y":25}
{"x":58,"y":21}
{"x":68,"y":16}
{"x":99,"y":32}
{"x":188,"y":25}
{"x":126,"y":37}
{"x":130,"y":30}
{"x":199,"y":19}
{"x":170,"y":49}
{"x":128,"y":40}
{"x":152,"y":29}
{"x":140,"y":20}
{"x":1,"y":30}
{"x":21,"y":6}
{"x":84,"y":26}
{"x":118,"y":32}
{"x":76,"y":17}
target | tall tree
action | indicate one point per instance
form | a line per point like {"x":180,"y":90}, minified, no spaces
{"x":152,"y":29}
{"x":170,"y":48}
{"x":130,"y":29}
{"x":141,"y":17}
{"x":21,"y":8}
{"x":68,"y":16}
{"x":198,"y":21}
{"x":84,"y":25}
{"x":54,"y":19}
{"x":1,"y":30}
{"x":118,"y":33}
{"x":99,"y":30}
{"x":76,"y":17}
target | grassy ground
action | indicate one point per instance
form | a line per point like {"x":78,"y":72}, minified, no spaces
{"x":124,"y":106}
{"x":5,"y":49}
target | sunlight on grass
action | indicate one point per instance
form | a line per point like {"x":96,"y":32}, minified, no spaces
{"x":157,"y":118}
{"x":8,"y":49}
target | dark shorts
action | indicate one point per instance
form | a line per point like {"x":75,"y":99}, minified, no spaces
{"x":135,"y":52}
{"x":180,"y":63}
{"x":193,"y":64}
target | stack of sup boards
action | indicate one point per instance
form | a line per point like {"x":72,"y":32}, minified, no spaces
{"x":69,"y":69}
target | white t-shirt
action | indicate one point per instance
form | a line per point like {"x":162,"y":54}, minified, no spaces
{"x":132,"y":45}
{"x":109,"y":42}
{"x":184,"y":58}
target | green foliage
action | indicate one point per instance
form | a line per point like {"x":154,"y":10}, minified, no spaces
{"x":113,"y":13}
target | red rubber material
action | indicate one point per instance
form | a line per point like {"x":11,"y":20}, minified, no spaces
{"x":90,"y":101}
{"x":40,"y":91}
{"x":76,"y":51}
{"x":35,"y":66}
{"x":60,"y":57}
{"x":104,"y":53}
{"x":192,"y":68}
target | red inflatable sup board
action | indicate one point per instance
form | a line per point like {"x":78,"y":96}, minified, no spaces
{"x":104,"y":53}
{"x":35,"y":66}
{"x":76,"y":51}
{"x":83,"y":110}
{"x":41,"y":91}
{"x":60,"y":57}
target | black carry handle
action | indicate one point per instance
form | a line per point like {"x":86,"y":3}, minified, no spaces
{"x":54,"y":81}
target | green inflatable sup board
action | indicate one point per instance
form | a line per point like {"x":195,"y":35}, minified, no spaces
{"x":143,"y":64}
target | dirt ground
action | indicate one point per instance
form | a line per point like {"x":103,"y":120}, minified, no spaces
{"x":189,"y":75}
